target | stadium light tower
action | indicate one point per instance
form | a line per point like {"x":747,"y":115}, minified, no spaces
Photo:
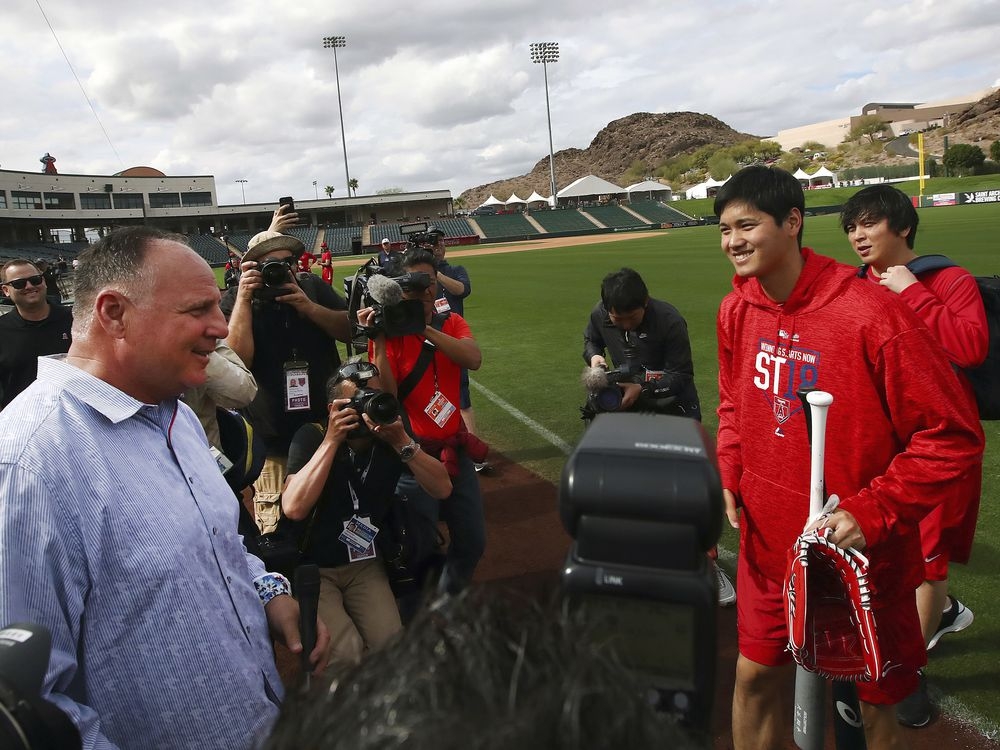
{"x":545,"y":53}
{"x":242,"y":191}
{"x":334,"y":43}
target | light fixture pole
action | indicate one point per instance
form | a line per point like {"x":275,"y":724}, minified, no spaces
{"x":315,"y":190}
{"x":334,"y":43}
{"x":545,"y":53}
{"x":242,"y":191}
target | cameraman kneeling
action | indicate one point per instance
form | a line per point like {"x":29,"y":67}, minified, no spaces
{"x":340,"y":479}
{"x":648,"y":343}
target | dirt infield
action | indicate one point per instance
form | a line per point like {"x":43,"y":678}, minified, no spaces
{"x":526,"y":547}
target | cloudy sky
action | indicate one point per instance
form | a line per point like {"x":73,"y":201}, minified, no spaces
{"x":443,"y":95}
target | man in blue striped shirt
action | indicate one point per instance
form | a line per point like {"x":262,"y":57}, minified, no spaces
{"x":117,"y":531}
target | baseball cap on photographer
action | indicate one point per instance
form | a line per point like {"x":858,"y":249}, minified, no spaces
{"x":266,"y":242}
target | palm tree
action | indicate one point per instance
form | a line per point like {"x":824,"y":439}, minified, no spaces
{"x":329,"y":191}
{"x":353,"y":185}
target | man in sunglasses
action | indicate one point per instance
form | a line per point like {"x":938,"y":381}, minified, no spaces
{"x":34,"y":328}
{"x":285,"y":327}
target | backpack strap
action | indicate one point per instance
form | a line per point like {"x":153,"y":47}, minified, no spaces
{"x":920,"y":264}
{"x":405,"y":388}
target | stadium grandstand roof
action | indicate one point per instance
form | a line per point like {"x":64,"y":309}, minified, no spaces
{"x":589,"y":185}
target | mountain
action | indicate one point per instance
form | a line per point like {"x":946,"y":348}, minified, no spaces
{"x":643,"y":136}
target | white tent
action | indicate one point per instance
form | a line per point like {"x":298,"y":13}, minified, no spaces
{"x":588,"y":186}
{"x":822,"y":176}
{"x":536,"y":198}
{"x":801,"y":176}
{"x":492,"y":201}
{"x":705,"y":189}
{"x":649,"y":187}
{"x":514,"y":199}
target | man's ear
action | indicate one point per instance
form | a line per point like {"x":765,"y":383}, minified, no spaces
{"x":794,"y":220}
{"x":110,"y":310}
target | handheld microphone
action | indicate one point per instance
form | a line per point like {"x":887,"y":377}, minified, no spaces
{"x":594,"y":378}
{"x":384,"y":290}
{"x":306,"y":589}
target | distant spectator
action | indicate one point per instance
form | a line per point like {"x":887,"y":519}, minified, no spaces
{"x":51,"y":281}
{"x":387,"y":255}
{"x":34,"y":328}
{"x":326,"y":263}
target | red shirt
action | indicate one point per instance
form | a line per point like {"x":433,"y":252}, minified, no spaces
{"x":305,"y":261}
{"x":896,"y":434}
{"x":442,"y":375}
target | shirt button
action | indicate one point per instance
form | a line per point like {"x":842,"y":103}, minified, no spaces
{"x":229,"y":579}
{"x":215,"y":530}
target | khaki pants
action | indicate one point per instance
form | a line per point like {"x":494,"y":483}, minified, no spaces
{"x":267,"y":493}
{"x":357,"y":607}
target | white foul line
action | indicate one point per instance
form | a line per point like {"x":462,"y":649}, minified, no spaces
{"x":524,"y":419}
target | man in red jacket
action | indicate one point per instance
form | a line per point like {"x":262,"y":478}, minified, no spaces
{"x":881,"y":224}
{"x":895,"y":437}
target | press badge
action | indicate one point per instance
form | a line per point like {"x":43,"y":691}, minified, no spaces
{"x":296,"y":386}
{"x":439,"y":409}
{"x":221,"y":460}
{"x":441,"y":305}
{"x":654,"y":374}
{"x":359,"y":537}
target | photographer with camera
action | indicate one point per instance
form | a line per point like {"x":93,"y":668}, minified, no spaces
{"x":285,"y":327}
{"x":346,"y":470}
{"x":424,"y":370}
{"x":648,"y":343}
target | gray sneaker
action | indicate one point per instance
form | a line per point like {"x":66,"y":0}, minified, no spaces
{"x":956,"y":617}
{"x":727,"y":591}
{"x":914,"y":710}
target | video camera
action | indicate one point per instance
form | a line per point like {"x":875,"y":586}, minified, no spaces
{"x":604,"y":394}
{"x":421,"y":235}
{"x":394,"y":316}
{"x":26,"y":721}
{"x":642,"y":499}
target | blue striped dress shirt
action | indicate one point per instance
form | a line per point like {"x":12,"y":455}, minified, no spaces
{"x":118,"y":534}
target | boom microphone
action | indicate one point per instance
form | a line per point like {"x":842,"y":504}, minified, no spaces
{"x":594,"y":378}
{"x":384,"y":290}
{"x":306,"y":589}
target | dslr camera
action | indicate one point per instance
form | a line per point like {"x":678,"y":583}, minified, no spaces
{"x":275,"y":274}
{"x":381,"y":408}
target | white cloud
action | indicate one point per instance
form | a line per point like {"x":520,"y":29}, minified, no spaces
{"x":441,"y":95}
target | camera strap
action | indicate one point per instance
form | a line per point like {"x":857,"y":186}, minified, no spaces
{"x":405,"y":388}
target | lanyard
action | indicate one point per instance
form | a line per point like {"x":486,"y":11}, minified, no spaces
{"x":364,"y":474}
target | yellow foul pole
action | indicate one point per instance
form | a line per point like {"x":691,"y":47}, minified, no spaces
{"x":920,"y":152}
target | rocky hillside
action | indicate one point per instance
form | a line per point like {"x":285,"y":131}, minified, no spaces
{"x":651,"y":138}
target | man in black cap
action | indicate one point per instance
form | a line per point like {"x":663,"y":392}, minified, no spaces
{"x":285,"y":327}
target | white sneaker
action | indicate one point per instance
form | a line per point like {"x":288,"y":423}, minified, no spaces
{"x":727,"y":591}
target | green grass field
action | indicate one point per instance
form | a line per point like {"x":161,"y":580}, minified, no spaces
{"x":528,"y":311}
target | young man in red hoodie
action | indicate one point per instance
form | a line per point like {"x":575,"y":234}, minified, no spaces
{"x":881,"y":224}
{"x":895,"y":437}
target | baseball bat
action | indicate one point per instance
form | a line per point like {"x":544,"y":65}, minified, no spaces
{"x":809,"y":718}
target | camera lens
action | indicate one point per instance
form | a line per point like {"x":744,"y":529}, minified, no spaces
{"x":382,"y":408}
{"x":275,"y":273}
{"x":609,"y":398}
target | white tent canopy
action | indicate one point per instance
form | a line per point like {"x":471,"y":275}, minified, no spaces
{"x":514,"y":199}
{"x":492,"y":201}
{"x":536,"y":198}
{"x":589,"y":185}
{"x":800,"y":174}
{"x":823,"y":172}
{"x":649,"y":187}
{"x":702,"y":189}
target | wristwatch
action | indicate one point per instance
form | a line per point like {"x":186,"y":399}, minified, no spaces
{"x":408,"y":451}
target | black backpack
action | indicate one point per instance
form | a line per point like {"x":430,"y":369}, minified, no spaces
{"x":985,"y":379}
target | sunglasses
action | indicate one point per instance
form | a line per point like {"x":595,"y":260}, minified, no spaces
{"x":359,"y":372}
{"x":35,"y":280}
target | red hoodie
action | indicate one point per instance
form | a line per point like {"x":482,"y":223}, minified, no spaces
{"x":896,"y":432}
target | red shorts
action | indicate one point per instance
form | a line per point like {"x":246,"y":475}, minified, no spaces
{"x":763,"y":636}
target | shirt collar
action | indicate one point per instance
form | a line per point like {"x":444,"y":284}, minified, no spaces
{"x":100,"y":395}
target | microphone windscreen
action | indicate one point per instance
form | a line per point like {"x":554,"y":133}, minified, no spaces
{"x":384,"y":290}
{"x":24,"y":656}
{"x":594,"y":378}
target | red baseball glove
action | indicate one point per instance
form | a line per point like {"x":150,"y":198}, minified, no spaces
{"x":831,"y":628}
